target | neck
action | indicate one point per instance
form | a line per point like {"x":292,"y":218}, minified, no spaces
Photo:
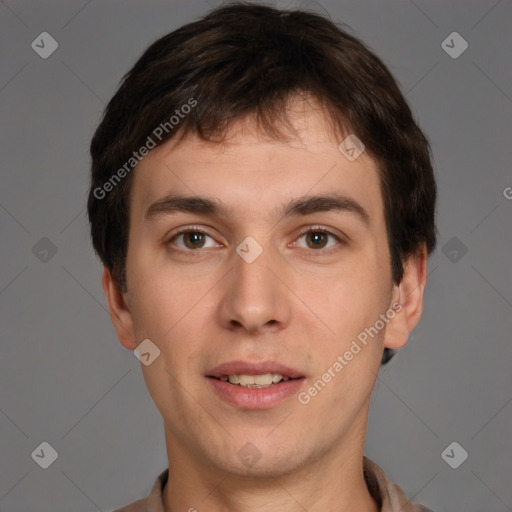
{"x":331,"y":481}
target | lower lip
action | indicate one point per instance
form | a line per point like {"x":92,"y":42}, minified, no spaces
{"x":256,"y":398}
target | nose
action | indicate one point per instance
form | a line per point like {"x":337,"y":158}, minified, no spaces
{"x":256,"y":301}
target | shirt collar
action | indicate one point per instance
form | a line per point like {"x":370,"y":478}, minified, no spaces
{"x":389,"y":497}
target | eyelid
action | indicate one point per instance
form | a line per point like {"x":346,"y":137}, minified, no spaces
{"x":186,"y":229}
{"x":319,"y":227}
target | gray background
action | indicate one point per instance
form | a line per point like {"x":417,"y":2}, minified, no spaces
{"x":66,"y":380}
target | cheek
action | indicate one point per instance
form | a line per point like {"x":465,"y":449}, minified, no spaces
{"x":347,"y":361}
{"x":168,"y":315}
{"x":349,"y":303}
{"x":159,"y":295}
{"x":171,"y":311}
{"x":351,"y":298}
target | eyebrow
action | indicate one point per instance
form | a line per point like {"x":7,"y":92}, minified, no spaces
{"x":301,"y":206}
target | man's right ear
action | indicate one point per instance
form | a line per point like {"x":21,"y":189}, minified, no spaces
{"x":119,"y":311}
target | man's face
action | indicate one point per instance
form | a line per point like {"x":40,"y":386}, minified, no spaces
{"x":322,"y":278}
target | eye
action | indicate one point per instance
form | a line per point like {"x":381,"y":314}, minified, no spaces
{"x":192,"y":239}
{"x":318,"y":238}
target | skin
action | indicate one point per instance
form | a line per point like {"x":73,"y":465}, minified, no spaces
{"x":296,"y":304}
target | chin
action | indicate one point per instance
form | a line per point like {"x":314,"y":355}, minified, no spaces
{"x":262,"y":459}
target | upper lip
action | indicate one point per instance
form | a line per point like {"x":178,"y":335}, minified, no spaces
{"x":251,"y":368}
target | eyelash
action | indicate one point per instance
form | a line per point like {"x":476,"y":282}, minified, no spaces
{"x":314,"y":229}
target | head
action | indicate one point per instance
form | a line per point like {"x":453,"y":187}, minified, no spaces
{"x":244,"y":110}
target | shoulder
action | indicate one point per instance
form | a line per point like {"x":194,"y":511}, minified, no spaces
{"x":153,"y":502}
{"x":393,"y":498}
{"x":136,"y":506}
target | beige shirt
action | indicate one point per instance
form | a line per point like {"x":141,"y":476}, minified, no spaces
{"x":389,"y":496}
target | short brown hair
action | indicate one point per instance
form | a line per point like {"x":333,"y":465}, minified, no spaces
{"x":248,"y":60}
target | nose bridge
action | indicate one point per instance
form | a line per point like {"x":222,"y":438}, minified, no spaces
{"x":254,"y":297}
{"x":251,"y":273}
{"x":251,"y":277}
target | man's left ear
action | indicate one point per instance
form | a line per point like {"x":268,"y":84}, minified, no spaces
{"x":407,"y":301}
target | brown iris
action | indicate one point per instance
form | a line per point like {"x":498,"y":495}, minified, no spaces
{"x":316,"y":239}
{"x":194,"y":239}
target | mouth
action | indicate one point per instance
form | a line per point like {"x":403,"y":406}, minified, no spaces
{"x":255,"y":385}
{"x":263,"y":380}
{"x":263,"y":374}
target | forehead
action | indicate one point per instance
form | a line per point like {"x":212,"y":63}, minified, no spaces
{"x":251,"y":171}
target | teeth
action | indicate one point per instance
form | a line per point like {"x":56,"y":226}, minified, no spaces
{"x":263,"y":380}
{"x":255,"y":381}
{"x":233,"y":379}
{"x":246,"y":380}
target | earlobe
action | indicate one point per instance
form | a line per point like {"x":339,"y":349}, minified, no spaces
{"x":119,"y":311}
{"x":408,"y":295}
